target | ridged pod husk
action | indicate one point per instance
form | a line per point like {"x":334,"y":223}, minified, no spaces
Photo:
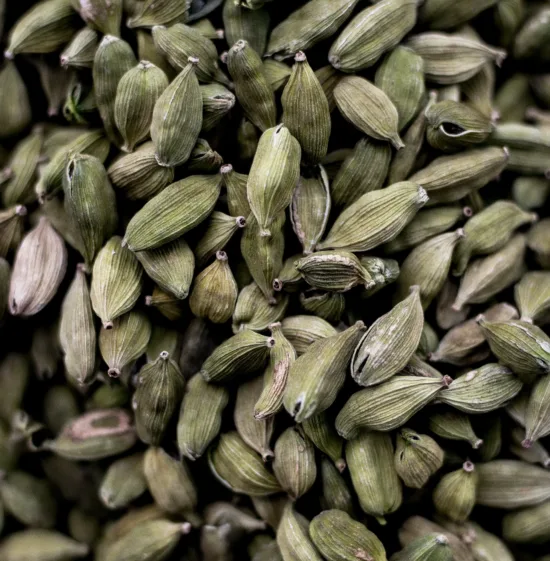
{"x":94,"y":435}
{"x":431,"y":547}
{"x":317,"y":376}
{"x":535,"y":454}
{"x":157,"y":397}
{"x":375,"y":480}
{"x":485,"y":389}
{"x":276,"y":72}
{"x":511,"y":484}
{"x":239,"y":468}
{"x":116,"y":281}
{"x":427,"y":266}
{"x":340,"y":538}
{"x":241,"y":354}
{"x":11,"y":228}
{"x":489,"y":231}
{"x":452,"y":59}
{"x":532,"y":295}
{"x":487,"y":276}
{"x":264,"y":254}
{"x":38,"y":269}
{"x":329,"y":77}
{"x":281,"y":357}
{"x":364,"y":170}
{"x":447,"y":318}
{"x":320,"y":430}
{"x":294,"y":462}
{"x":401,"y":77}
{"x":480,"y":90}
{"x":15,"y":107}
{"x":103,"y":15}
{"x":453,"y":425}
{"x":335,"y":490}
{"x":123,"y":482}
{"x":165,"y":339}
{"x":310,"y":24}
{"x":77,"y":331}
{"x":166,"y":303}
{"x":169,"y":481}
{"x":449,"y":178}
{"x":273,"y":176}
{"x":251,"y":86}
{"x":173,"y":212}
{"x":255,"y":432}
{"x":368,"y":108}
{"x":334,"y":271}
{"x":92,"y":142}
{"x":530,"y":525}
{"x":254,"y":311}
{"x":372,"y":220}
{"x":250,"y":25}
{"x":125,"y":342}
{"x":429,"y":340}
{"x":147,"y":13}
{"x":417,"y":458}
{"x":303,"y":331}
{"x":537,"y":242}
{"x":293,"y":537}
{"x":136,"y":95}
{"x":51,"y":545}
{"x":455,"y":494}
{"x":217,"y":101}
{"x":89,"y":203}
{"x":235,"y":184}
{"x":372,"y":32}
{"x":537,"y":414}
{"x":520,"y":345}
{"x":220,"y":229}
{"x":387,"y":406}
{"x":80,"y":52}
{"x":391,"y":340}
{"x":178,"y":109}
{"x":306,"y":111}
{"x":327,"y":305}
{"x":200,"y":417}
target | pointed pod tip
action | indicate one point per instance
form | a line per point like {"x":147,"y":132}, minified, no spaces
{"x":527,"y":443}
{"x":113,"y":372}
{"x":340,"y":464}
{"x":300,"y":56}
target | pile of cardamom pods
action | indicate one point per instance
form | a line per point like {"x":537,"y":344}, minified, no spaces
{"x":274,"y":280}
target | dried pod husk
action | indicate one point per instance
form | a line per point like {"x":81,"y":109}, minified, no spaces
{"x":529,"y":525}
{"x":179,"y":108}
{"x":242,"y":23}
{"x":417,"y":367}
{"x":429,"y":340}
{"x":22,"y":164}
{"x":163,"y":339}
{"x":103,"y":15}
{"x":80,"y":52}
{"x":492,"y":435}
{"x":147,"y":50}
{"x":487,"y":276}
{"x":449,"y":178}
{"x":203,"y":159}
{"x":123,"y":482}
{"x":38,"y":269}
{"x":239,"y":468}
{"x":217,"y":101}
{"x":317,"y":376}
{"x":387,"y":406}
{"x":537,"y":242}
{"x":375,"y":480}
{"x":137,"y":93}
{"x":383,"y":271}
{"x":453,"y":425}
{"x":116,"y":281}
{"x":254,"y":311}
{"x":530,"y":192}
{"x":11,"y":228}
{"x":125,"y":342}
{"x":520,"y":345}
{"x":170,"y":482}
{"x":174,"y":211}
{"x":535,"y":454}
{"x":303,"y":331}
{"x":166,"y":303}
{"x":537,"y":414}
{"x":320,"y":430}
{"x":277,"y":73}
{"x":94,"y":435}
{"x":235,"y":183}
{"x":241,"y":354}
{"x":171,"y":266}
{"x":446,"y":316}
{"x":417,"y":458}
{"x":335,"y":490}
{"x":41,"y":545}
{"x":77,"y":331}
{"x":89,"y":203}
{"x":308,"y":25}
{"x":371,"y":33}
{"x":14,"y":375}
{"x":511,"y":484}
{"x":431,"y":547}
{"x":391,"y":340}
{"x":154,"y":12}
{"x":482,"y":390}
{"x":428,"y":265}
{"x":180,"y":42}
{"x":401,"y":77}
{"x":113,"y":58}
{"x":4,"y":288}
{"x":452,"y":59}
{"x":453,"y":125}
{"x":327,"y":305}
{"x":264,"y":254}
{"x":200,"y":416}
{"x":92,"y":142}
{"x":42,"y":29}
{"x":529,"y":161}
{"x":15,"y":108}
{"x":455,"y":494}
{"x":364,"y":170}
{"x":373,"y":220}
{"x":220,"y":229}
{"x":368,"y":108}
{"x":157,"y":397}
{"x":521,"y":136}
{"x":532,"y":295}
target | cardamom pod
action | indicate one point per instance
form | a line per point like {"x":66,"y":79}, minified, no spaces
{"x":537,"y":414}
{"x":123,"y":482}
{"x":80,"y":52}
{"x":254,"y":311}
{"x":320,"y":430}
{"x":454,"y":426}
{"x":293,"y":537}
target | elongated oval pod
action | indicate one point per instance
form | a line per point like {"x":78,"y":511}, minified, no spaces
{"x":431,"y":547}
{"x":217,"y":101}
{"x":220,"y":229}
{"x":254,"y":311}
{"x":320,"y":430}
{"x":317,"y":376}
{"x":80,"y":52}
{"x":537,"y":414}
{"x":303,"y":331}
{"x":11,"y":228}
{"x":293,"y":537}
{"x":250,"y":25}
{"x":123,"y":482}
{"x":529,"y":525}
{"x":455,"y":494}
{"x":335,"y":490}
{"x":532,"y":295}
{"x":454,"y":426}
{"x":51,"y":545}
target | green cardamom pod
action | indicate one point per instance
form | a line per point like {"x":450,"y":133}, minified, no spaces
{"x":454,"y":426}
{"x":44,"y":545}
{"x":480,"y":90}
{"x":455,"y":494}
{"x":329,"y":78}
{"x":166,"y":303}
{"x":335,"y":490}
{"x":11,"y":228}
{"x":159,"y":12}
{"x":123,"y":482}
{"x":537,"y":241}
{"x":15,"y":107}
{"x":537,"y":414}
{"x":432,"y":547}
{"x":217,"y":101}
{"x":164,"y":339}
{"x":303,"y":331}
{"x":254,"y":311}
{"x":250,"y":25}
{"x":444,"y":14}
{"x":277,"y":73}
{"x":529,"y":525}
{"x":80,"y":52}
{"x":326,"y":305}
{"x":293,"y":537}
{"x":530,"y":192}
{"x":532,"y":37}
{"x":103,"y":15}
{"x":320,"y":430}
{"x":532,"y":295}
